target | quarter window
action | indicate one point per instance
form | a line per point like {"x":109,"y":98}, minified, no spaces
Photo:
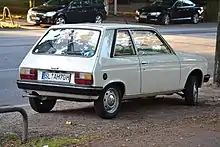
{"x":123,"y":44}
{"x":149,"y":43}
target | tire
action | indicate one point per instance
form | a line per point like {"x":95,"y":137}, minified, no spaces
{"x":165,"y":20}
{"x":60,"y":20}
{"x":195,"y":18}
{"x":140,"y":21}
{"x":104,"y":102}
{"x":191,"y":91}
{"x":42,"y":106}
{"x":98,"y":18}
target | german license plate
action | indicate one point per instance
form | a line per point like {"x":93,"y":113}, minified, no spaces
{"x":143,"y":16}
{"x":57,"y":77}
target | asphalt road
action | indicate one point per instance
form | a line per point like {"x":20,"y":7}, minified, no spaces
{"x":15,"y":44}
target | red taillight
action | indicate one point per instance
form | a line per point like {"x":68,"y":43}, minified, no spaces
{"x":83,"y":78}
{"x":28,"y":74}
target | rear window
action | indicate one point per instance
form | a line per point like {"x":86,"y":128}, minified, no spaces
{"x":69,"y":42}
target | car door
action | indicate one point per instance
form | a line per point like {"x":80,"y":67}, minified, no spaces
{"x":178,"y":10}
{"x":75,"y":12}
{"x":89,"y":10}
{"x":189,"y":8}
{"x":123,"y":64}
{"x":160,"y":67}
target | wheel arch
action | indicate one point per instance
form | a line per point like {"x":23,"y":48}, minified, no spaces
{"x":118,"y":84}
{"x":198,"y":73}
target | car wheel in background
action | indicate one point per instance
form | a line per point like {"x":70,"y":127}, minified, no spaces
{"x":60,"y":20}
{"x":191,"y":91}
{"x":42,"y":106}
{"x":165,"y":19}
{"x":109,"y":103}
{"x":98,"y":18}
{"x":140,"y":21}
{"x":195,"y":18}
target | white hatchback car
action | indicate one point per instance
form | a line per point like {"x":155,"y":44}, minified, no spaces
{"x":107,"y":63}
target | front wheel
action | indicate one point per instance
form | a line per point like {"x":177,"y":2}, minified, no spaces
{"x":109,"y":103}
{"x":60,"y":20}
{"x":42,"y":106}
{"x":191,"y":91}
{"x":165,"y":20}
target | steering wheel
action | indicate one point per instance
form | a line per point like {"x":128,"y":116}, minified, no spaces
{"x":118,"y":46}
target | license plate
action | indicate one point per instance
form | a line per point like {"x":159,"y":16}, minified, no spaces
{"x":143,"y":16}
{"x":35,"y":18}
{"x":57,"y":77}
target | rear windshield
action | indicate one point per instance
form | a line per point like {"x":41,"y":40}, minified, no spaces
{"x":69,"y":42}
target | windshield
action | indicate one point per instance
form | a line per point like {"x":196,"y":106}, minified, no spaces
{"x":58,"y":2}
{"x":163,"y":2}
{"x":77,"y":42}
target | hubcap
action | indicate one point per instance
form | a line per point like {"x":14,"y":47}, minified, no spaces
{"x":196,"y":18}
{"x":60,"y":20}
{"x":167,"y":19}
{"x":111,"y":100}
{"x":98,"y":19}
{"x":195,"y":92}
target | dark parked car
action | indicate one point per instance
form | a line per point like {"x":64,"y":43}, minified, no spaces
{"x":67,"y":11}
{"x":165,"y":11}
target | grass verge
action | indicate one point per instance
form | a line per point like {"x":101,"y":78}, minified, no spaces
{"x":12,"y":140}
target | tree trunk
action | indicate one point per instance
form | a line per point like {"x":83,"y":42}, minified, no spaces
{"x":217,"y":52}
{"x":211,"y":10}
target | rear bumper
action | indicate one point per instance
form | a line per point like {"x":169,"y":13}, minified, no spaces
{"x":60,"y":90}
{"x":206,"y":78}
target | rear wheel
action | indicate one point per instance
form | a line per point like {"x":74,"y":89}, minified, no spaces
{"x":191,"y":91}
{"x":98,"y":18}
{"x":42,"y":106}
{"x":109,"y":103}
{"x":195,"y":18}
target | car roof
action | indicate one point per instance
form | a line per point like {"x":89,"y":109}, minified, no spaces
{"x":101,"y":26}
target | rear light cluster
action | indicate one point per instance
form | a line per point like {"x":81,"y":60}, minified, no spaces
{"x":28,"y":74}
{"x":83,"y":78}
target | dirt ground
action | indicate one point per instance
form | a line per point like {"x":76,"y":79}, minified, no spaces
{"x":161,"y":122}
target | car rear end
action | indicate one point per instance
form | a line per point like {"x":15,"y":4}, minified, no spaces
{"x":61,"y":65}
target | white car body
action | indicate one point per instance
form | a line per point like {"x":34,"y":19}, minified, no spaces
{"x":138,"y":75}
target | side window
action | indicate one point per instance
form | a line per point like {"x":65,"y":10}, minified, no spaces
{"x":76,"y":4}
{"x":187,"y":3}
{"x":86,"y":3}
{"x":96,"y":2}
{"x":178,"y":4}
{"x":123,"y":44}
{"x":149,"y":43}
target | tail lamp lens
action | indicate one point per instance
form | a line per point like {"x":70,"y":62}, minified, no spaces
{"x":83,"y":78}
{"x":28,"y":74}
